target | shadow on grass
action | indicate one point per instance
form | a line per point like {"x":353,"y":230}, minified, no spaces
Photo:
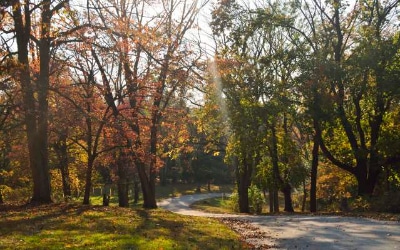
{"x":74,"y":226}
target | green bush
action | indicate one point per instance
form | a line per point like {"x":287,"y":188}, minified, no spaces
{"x":361,"y":204}
{"x":255,"y":199}
{"x":386,"y":203}
{"x":234,"y":201}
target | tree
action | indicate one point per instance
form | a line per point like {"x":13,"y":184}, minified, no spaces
{"x":256,"y":64}
{"x":359,"y":84}
{"x":152,"y":73}
{"x":95,"y":115}
{"x":30,"y":33}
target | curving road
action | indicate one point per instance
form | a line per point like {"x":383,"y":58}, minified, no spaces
{"x":302,"y":231}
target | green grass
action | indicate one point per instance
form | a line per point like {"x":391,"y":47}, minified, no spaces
{"x":72,"y":226}
{"x":177,"y":190}
{"x":219,"y":205}
{"x":223,"y":205}
{"x":214,"y":205}
{"x":163,"y":192}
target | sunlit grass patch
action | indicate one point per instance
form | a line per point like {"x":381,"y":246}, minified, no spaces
{"x":176,"y":190}
{"x":72,"y":226}
{"x":214,"y":205}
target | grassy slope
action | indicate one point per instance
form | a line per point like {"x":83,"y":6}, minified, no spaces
{"x":74,"y":226}
{"x":214,"y":205}
{"x":71,"y":226}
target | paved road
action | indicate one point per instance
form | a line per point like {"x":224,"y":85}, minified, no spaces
{"x":305,"y":231}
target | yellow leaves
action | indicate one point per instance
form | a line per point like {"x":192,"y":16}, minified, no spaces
{"x":6,"y":174}
{"x":334,"y":182}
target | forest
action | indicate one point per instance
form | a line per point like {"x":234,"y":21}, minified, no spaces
{"x":297,"y":99}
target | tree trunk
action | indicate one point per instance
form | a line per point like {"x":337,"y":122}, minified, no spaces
{"x":123,"y":187}
{"x":106,"y":200}
{"x":277,"y":181}
{"x":303,"y":204}
{"x":198,"y":188}
{"x":42,"y":191}
{"x":135,"y":191}
{"x":61,"y":150}
{"x":163,"y":174}
{"x":66,"y":181}
{"x":271,"y":200}
{"x":275,"y":194}
{"x":35,"y":113}
{"x":123,"y":192}
{"x":366,"y":180}
{"x":314,"y":170}
{"x":88,"y":184}
{"x":148,"y":179}
{"x":243,"y":187}
{"x":287,"y":192}
{"x":149,"y":200}
{"x":243,"y":175}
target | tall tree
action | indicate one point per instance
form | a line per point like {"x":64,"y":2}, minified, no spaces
{"x":151,"y":72}
{"x":360,"y":84}
{"x":257,"y":63}
{"x":36,"y":28}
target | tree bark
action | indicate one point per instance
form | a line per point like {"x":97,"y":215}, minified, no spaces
{"x":88,"y":184}
{"x":366,"y":179}
{"x":135,"y":191}
{"x":303,"y":204}
{"x":149,"y":200}
{"x":123,"y":192}
{"x":277,"y":181}
{"x":275,"y":194}
{"x":314,"y":169}
{"x":35,"y":113}
{"x":243,"y":175}
{"x":42,"y":118}
{"x":287,"y":192}
{"x":61,"y":149}
{"x":123,"y":187}
{"x":271,"y":200}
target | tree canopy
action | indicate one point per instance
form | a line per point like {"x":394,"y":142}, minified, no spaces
{"x":127,"y":92}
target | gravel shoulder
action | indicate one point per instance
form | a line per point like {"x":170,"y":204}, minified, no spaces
{"x":299,"y":231}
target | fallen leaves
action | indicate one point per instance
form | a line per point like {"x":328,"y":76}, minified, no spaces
{"x":249,"y":233}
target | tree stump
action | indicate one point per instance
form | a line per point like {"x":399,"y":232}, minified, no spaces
{"x":106,"y":200}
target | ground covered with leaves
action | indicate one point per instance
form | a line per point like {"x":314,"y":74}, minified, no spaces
{"x":72,"y":226}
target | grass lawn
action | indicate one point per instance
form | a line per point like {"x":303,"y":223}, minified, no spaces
{"x":214,"y":205}
{"x":73,"y":226}
{"x":177,"y":190}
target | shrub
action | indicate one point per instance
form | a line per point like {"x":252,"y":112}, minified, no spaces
{"x":255,"y":199}
{"x":386,"y":203}
{"x":234,"y":201}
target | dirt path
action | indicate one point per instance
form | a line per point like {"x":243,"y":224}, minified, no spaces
{"x":300,"y":231}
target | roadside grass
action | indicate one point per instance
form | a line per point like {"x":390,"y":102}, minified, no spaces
{"x":222,"y":205}
{"x":177,"y":190}
{"x":214,"y":205}
{"x":73,"y":226}
{"x":164,"y":192}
